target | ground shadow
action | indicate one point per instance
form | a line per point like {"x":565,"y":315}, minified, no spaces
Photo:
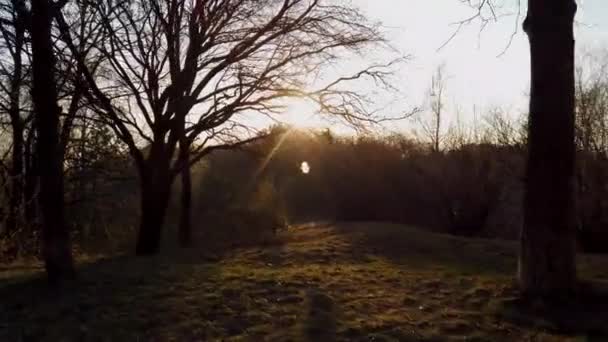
{"x":416,"y":249}
{"x":123,"y":298}
{"x":368,"y":282}
{"x":320,"y":323}
{"x":582,"y":315}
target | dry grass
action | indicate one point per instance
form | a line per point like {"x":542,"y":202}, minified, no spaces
{"x":345,"y":282}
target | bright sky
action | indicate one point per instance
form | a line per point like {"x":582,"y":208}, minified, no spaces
{"x":477,"y":75}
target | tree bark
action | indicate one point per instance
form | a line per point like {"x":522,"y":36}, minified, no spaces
{"x":155,"y":195}
{"x":547,"y":267}
{"x":185,"y":217}
{"x":17,"y":123}
{"x":55,"y":236}
{"x":16,"y":173}
{"x":30,"y":180}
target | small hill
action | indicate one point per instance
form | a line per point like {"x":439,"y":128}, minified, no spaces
{"x":317,"y":282}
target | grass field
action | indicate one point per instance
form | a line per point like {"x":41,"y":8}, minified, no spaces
{"x":318,"y":282}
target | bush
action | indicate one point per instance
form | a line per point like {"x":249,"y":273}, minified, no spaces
{"x":232,"y":207}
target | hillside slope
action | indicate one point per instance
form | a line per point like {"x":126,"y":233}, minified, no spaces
{"x":319,"y":282}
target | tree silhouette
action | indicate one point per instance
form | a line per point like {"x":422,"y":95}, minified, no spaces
{"x":15,"y":71}
{"x":56,"y":241}
{"x":182,"y":73}
{"x":547,"y":265}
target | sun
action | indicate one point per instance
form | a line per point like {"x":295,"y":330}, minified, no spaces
{"x":301,"y":113}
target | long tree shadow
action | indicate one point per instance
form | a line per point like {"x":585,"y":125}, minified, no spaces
{"x":420,"y":250}
{"x":321,"y":284}
{"x":320,"y":317}
{"x":118,"y":299}
{"x":582,"y":315}
{"x":478,"y":276}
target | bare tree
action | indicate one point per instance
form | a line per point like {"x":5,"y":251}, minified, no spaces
{"x":547,"y":266}
{"x":592,"y":144}
{"x":592,"y":103}
{"x":15,"y":91}
{"x":501,"y":129}
{"x":177,"y":72}
{"x":14,"y":18}
{"x":56,"y":240}
{"x":432,"y":127}
{"x":224,"y":139}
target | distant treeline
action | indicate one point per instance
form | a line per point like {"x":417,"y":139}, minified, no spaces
{"x":473,"y":186}
{"x":466,"y":179}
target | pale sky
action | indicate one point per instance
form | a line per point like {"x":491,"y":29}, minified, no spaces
{"x":477,"y":76}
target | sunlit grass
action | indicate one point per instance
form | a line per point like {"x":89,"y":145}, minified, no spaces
{"x":367,"y":282}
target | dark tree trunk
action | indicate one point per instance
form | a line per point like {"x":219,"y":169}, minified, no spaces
{"x":547,"y":260}
{"x":55,"y":236}
{"x":16,"y":173}
{"x":185,"y":216}
{"x":155,"y":195}
{"x":30,"y":180}
{"x":17,"y":124}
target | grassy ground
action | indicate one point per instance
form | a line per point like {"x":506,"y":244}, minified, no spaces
{"x":344,"y":282}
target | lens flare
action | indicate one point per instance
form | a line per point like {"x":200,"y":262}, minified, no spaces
{"x":305,"y":168}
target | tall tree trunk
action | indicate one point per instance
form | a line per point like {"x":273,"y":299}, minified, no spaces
{"x":55,"y":236}
{"x":155,"y":195}
{"x":547,"y":265}
{"x":185,"y":216}
{"x":16,"y":173}
{"x":17,"y":124}
{"x":30,"y":179}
